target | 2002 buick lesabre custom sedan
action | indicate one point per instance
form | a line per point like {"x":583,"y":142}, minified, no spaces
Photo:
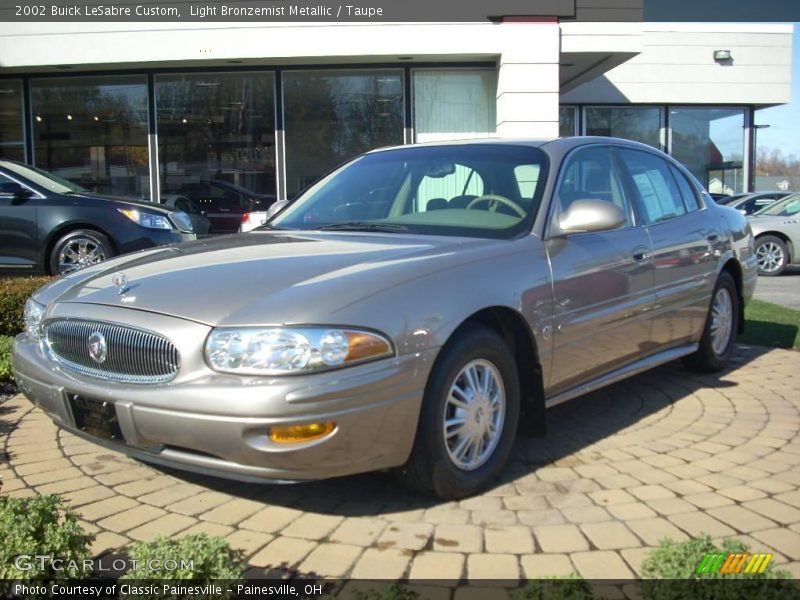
{"x":403,"y":312}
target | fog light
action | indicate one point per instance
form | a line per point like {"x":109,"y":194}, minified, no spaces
{"x":292,"y":434}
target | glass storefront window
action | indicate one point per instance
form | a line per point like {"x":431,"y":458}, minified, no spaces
{"x":216,"y":142}
{"x":567,"y":121}
{"x":12,"y":144}
{"x":332,"y":116}
{"x":454,"y":104}
{"x":93,"y":131}
{"x":710,"y":142}
{"x":637,"y":123}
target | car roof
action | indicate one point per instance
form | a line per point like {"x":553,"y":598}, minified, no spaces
{"x":563,"y":144}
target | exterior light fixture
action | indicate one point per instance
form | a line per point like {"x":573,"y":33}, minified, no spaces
{"x":722,"y":55}
{"x":69,"y":117}
{"x":38,"y":118}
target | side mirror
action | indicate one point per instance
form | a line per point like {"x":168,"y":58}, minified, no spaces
{"x":276,"y":208}
{"x":14,"y":190}
{"x":590,"y":215}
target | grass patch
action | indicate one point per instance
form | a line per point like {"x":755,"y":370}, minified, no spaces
{"x":771,"y":325}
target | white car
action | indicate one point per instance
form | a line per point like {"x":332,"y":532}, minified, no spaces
{"x":777,"y":232}
{"x":251,"y":220}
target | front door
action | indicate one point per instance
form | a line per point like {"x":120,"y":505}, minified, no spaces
{"x":18,"y":237}
{"x":602,"y":281}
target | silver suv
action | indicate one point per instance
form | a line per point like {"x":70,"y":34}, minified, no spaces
{"x":402,"y":313}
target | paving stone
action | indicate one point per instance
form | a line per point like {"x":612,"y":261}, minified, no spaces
{"x":503,"y":568}
{"x":53,"y":476}
{"x":271,"y":519}
{"x":215,"y":529}
{"x":282,"y":552}
{"x":244,"y":539}
{"x":201,"y":503}
{"x":590,"y":514}
{"x":541,"y":517}
{"x":635,"y":557}
{"x":740,"y":493}
{"x":792,"y":498}
{"x":606,"y":497}
{"x":379,"y":564}
{"x":136,"y":489}
{"x":708,"y":500}
{"x":358,"y":531}
{"x":106,"y":541}
{"x":626,"y":512}
{"x":458,"y":538}
{"x":652,"y":531}
{"x":84,"y":496}
{"x":671,"y":506}
{"x":494,"y":518}
{"x":782,"y":513}
{"x":537,"y":566}
{"x":601,"y":565}
{"x":170,"y":495}
{"x":783,"y":540}
{"x":449,"y":516}
{"x":771,"y":485}
{"x":232,"y":512}
{"x":437,"y":566}
{"x":330,"y":560}
{"x":697,"y":523}
{"x":509,"y":540}
{"x":526,"y":503}
{"x":610,"y":536}
{"x":106,"y":507}
{"x":131,"y":518}
{"x":651,"y":492}
{"x":405,"y":536}
{"x":560,"y":538}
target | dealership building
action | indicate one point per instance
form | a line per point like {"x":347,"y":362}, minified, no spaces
{"x":151,"y":108}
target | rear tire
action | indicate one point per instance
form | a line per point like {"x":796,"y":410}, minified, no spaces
{"x":719,"y":334}
{"x":469,"y":417}
{"x":79,"y":249}
{"x":772,"y":255}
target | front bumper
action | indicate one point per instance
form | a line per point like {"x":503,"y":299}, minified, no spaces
{"x":217,"y":424}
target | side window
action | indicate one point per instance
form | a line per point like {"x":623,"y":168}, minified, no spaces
{"x":434,"y":193}
{"x":688,"y":192}
{"x":592,"y":174}
{"x":658,"y":192}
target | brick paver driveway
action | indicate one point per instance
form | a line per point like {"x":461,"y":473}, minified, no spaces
{"x":667,"y":453}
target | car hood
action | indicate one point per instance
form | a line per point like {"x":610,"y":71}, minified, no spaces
{"x":122,"y":200}
{"x":266,"y":278}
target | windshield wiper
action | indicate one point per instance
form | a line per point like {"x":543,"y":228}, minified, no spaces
{"x":363,"y":226}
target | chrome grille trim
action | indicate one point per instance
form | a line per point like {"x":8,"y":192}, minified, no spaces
{"x":134,"y":355}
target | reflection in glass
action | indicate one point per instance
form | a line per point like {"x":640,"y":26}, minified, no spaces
{"x":216,"y":143}
{"x":710,"y":142}
{"x":93,"y":132}
{"x":454,"y":104}
{"x":12,"y":143}
{"x":637,"y":123}
{"x":332,"y":116}
{"x":567,"y":121}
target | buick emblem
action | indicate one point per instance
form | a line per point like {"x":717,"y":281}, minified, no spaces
{"x":121,"y":281}
{"x":98,"y":348}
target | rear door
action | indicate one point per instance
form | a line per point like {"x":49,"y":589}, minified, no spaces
{"x":602,"y":281}
{"x":685,"y":239}
{"x":18,"y":230}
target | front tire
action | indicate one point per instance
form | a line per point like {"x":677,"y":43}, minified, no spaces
{"x":79,"y":249}
{"x":469,"y":417}
{"x":719,"y":334}
{"x":772,"y":255}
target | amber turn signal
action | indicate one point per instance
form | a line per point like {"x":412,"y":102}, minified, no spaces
{"x":292,"y":434}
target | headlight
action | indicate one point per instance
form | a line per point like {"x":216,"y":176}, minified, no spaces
{"x":34,"y":312}
{"x":182,"y":220}
{"x":146,"y":219}
{"x":279,"y":350}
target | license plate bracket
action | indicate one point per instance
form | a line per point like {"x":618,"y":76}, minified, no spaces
{"x":97,"y":418}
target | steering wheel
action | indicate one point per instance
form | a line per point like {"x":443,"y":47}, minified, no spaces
{"x":494,"y":200}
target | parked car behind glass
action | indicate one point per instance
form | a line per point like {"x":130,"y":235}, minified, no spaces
{"x":777,"y":232}
{"x":224,"y":203}
{"x":402,"y":313}
{"x":751,"y":203}
{"x":50,"y":225}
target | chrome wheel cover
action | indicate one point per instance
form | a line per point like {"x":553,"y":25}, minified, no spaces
{"x":770,"y":257}
{"x":721,"y":321}
{"x":78,"y":253}
{"x":474,"y":414}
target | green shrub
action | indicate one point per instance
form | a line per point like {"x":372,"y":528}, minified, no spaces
{"x":570,"y":587}
{"x":14,"y":291}
{"x":211,"y":559}
{"x":40,"y":525}
{"x":5,"y":358}
{"x":677,"y":562}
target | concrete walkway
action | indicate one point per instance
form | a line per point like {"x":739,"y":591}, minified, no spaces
{"x":668,"y":453}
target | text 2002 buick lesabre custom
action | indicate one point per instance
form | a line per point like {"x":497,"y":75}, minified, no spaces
{"x":403,"y":312}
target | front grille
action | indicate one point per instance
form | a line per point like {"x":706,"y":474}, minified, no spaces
{"x":132,"y":355}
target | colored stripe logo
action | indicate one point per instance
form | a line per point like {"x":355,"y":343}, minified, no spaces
{"x":729,"y":563}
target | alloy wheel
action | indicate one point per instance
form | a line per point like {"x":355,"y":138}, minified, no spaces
{"x":78,"y":253}
{"x":721,"y":321}
{"x":770,"y":257}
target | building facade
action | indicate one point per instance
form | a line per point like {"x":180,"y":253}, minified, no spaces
{"x":152,"y":109}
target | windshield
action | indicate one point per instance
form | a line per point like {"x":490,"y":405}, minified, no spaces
{"x":479,"y":190}
{"x":788,"y":207}
{"x":44,"y":179}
